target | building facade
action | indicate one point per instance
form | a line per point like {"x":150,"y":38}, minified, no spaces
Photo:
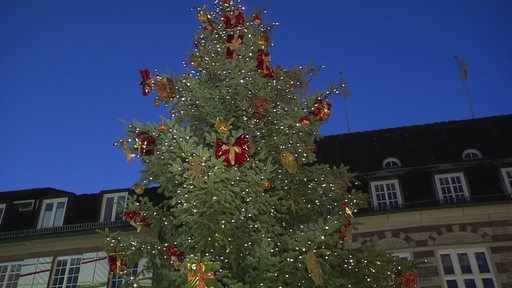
{"x":439,"y":193}
{"x":49,"y":238}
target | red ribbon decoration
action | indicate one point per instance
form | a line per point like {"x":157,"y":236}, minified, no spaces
{"x":147,"y":83}
{"x":236,"y":154}
{"x":200,"y":275}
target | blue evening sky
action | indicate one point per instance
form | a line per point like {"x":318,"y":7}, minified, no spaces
{"x":69,"y":72}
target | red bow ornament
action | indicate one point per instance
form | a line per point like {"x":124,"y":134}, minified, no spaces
{"x":178,"y":255}
{"x":263,"y":64}
{"x":233,"y":19}
{"x":408,"y":280}
{"x":235,"y":154}
{"x":146,"y":83}
{"x":322,"y":109}
{"x":137,"y":219}
{"x":234,"y":43}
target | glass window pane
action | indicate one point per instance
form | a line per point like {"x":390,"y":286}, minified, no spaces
{"x":59,"y":214}
{"x":488,"y":283}
{"x":469,"y":283}
{"x":465,"y":266}
{"x":109,"y":206}
{"x":47,"y":215}
{"x":481,"y":260}
{"x":452,"y":284}
{"x":121,"y":200}
{"x":446,"y":261}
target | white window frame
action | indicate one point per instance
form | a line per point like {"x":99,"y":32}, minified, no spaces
{"x":451,"y":196}
{"x":458,"y":276}
{"x":10,"y":277}
{"x":2,"y":211}
{"x":28,"y":208}
{"x":71,"y":272}
{"x":114,"y":210}
{"x":391,"y":162}
{"x":506,"y":173}
{"x":388,"y":201}
{"x":471,"y":154}
{"x":54,"y":222}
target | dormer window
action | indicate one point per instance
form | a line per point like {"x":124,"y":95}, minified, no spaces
{"x":391,"y":162}
{"x":113,"y":206}
{"x":24,"y":205}
{"x":52,"y":212}
{"x":507,"y":178}
{"x":471,"y":154}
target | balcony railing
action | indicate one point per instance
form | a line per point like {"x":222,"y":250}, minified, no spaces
{"x":64,"y":228}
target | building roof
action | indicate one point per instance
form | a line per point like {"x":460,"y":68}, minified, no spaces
{"x":419,"y":145}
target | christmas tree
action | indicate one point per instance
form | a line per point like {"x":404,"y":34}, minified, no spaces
{"x":244,"y":202}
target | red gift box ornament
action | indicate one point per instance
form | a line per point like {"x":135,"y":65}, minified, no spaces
{"x":197,"y":276}
{"x":115,"y":264}
{"x":146,"y":143}
{"x":235,"y":154}
{"x":233,"y":19}
{"x":146,"y":83}
{"x":322,"y":109}
{"x":263,"y":64}
{"x":234,"y":43}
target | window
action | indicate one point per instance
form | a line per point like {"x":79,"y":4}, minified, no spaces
{"x":386,"y":194}
{"x":466,"y":268}
{"x":113,"y":206}
{"x":471,"y":154}
{"x":52,"y":212}
{"x":452,"y":188}
{"x":10,"y":274}
{"x":2,"y":209}
{"x":391,"y":162}
{"x":66,"y":272}
{"x":24,"y":205}
{"x":507,"y":178}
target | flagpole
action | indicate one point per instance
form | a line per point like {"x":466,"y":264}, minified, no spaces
{"x":463,"y":73}
{"x":346,"y":113}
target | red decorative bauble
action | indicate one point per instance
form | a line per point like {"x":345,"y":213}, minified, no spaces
{"x":236,"y":154}
{"x":146,"y":143}
{"x":146,"y":83}
{"x":256,"y":20}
